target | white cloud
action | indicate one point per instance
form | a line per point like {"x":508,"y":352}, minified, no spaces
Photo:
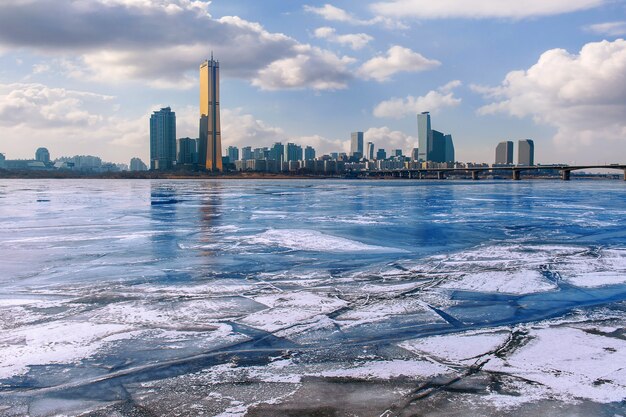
{"x":40,"y":106}
{"x":433,"y":101}
{"x":355,"y":41}
{"x":336,"y":14}
{"x":608,"y":28}
{"x":398,"y":59}
{"x":478,"y":9}
{"x":161,"y":43}
{"x":385,"y":138}
{"x":332,"y":13}
{"x":40,"y":68}
{"x":69,"y":122}
{"x":312,"y":67}
{"x":241,"y":129}
{"x":582,"y":95}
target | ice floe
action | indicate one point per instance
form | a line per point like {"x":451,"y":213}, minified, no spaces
{"x":312,"y":240}
{"x":515,"y":282}
{"x":571,"y":362}
{"x":463,"y":348}
{"x":54,"y":343}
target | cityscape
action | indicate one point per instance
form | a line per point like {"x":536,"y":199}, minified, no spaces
{"x":168,"y":153}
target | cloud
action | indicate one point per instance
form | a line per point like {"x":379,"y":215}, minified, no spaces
{"x":336,"y":14}
{"x":312,"y":67}
{"x":241,"y":129}
{"x":479,"y":9}
{"x":398,"y":59}
{"x":608,"y":28}
{"x":355,"y":41}
{"x":332,"y":13}
{"x":160,"y":43}
{"x":385,"y":138}
{"x":43,"y":107}
{"x":433,"y":101}
{"x":69,"y":122}
{"x":582,"y":95}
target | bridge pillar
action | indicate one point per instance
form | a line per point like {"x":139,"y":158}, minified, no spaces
{"x":517,"y":175}
{"x":441,"y":175}
{"x":475,"y":175}
{"x":566,"y":175}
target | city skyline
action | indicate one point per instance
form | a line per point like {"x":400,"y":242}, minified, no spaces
{"x":308,"y":72}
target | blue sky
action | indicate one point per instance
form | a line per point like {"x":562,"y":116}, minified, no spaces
{"x":86,"y":80}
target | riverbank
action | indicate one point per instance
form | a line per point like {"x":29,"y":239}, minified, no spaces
{"x":190,"y":175}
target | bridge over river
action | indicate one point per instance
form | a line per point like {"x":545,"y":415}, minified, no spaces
{"x":515,"y":171}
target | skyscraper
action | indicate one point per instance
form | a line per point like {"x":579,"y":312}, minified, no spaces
{"x":437,"y":151}
{"x":137,"y":164}
{"x":370,"y":151}
{"x":356,"y":144}
{"x":381,"y":155}
{"x":277,"y":151}
{"x":210,"y":148}
{"x":425,"y":136}
{"x":233,"y":154}
{"x":162,"y":139}
{"x":415,"y":154}
{"x":187,"y":151}
{"x":309,"y":153}
{"x":246,"y":153}
{"x":504,"y":153}
{"x":449,"y":154}
{"x":42,"y":155}
{"x":526,"y":152}
{"x":292,"y":152}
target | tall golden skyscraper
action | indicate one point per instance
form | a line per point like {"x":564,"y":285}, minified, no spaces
{"x":210,"y":144}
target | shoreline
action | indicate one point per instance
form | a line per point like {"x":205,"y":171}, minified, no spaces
{"x":147,"y":175}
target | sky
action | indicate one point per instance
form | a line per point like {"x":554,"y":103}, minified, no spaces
{"x":83,"y":76}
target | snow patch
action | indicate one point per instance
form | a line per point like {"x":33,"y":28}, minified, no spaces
{"x":311,"y":240}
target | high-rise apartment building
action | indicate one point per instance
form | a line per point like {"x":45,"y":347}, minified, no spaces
{"x":309,"y":153}
{"x":246,"y":153}
{"x":162,"y":139}
{"x":233,"y":154}
{"x":42,"y":155}
{"x":504,"y":153}
{"x":137,"y":164}
{"x":187,"y":151}
{"x":370,"y":152}
{"x":292,"y":152}
{"x":210,"y":149}
{"x":415,"y":154}
{"x":381,"y":155}
{"x":424,"y":136}
{"x":526,"y":153}
{"x":356,"y":145}
{"x":277,"y":152}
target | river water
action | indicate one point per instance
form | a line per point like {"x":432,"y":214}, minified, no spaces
{"x":312,"y":298}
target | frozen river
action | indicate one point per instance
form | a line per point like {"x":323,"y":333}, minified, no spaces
{"x":312,"y":298}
